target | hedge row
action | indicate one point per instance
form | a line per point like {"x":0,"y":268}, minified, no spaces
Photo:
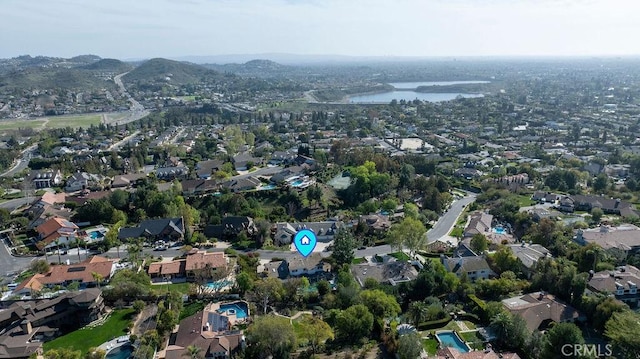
{"x":434,"y":324}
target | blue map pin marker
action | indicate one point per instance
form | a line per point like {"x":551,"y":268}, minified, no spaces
{"x":305,"y":241}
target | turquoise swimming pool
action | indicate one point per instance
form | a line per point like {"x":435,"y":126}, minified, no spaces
{"x":451,"y":339}
{"x":499,"y":230}
{"x":219,"y":284}
{"x":121,"y":352}
{"x":240,"y":309}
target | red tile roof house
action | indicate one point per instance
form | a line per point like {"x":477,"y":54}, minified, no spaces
{"x":64,"y":275}
{"x":452,"y":353}
{"x":56,"y":232}
{"x":208,"y":330}
{"x":187,"y":267}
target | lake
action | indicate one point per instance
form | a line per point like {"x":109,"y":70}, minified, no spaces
{"x":415,"y":85}
{"x":386,"y":97}
{"x":407,"y":95}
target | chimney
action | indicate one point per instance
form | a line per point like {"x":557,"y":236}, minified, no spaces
{"x":26,"y":327}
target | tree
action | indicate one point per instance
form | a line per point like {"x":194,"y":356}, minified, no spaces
{"x":271,"y":335}
{"x":62,"y":353}
{"x":39,"y":266}
{"x":266,"y":292}
{"x":354,"y":323}
{"x":409,"y":346}
{"x":380,"y":304}
{"x":409,"y":233}
{"x":344,"y":244}
{"x":95,"y":353}
{"x":504,"y":260}
{"x":622,"y":329}
{"x":244,"y":282}
{"x":417,"y":312}
{"x":600,"y":183}
{"x":596,"y":214}
{"x":560,"y":335}
{"x":316,"y":331}
{"x":479,"y":243}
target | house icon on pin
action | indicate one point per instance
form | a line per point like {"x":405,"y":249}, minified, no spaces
{"x":305,"y":241}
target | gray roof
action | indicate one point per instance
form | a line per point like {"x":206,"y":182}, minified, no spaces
{"x":529,"y":254}
{"x":390,"y":272}
{"x":152,"y":227}
{"x":466,"y":264}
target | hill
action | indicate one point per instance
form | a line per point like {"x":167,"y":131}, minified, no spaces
{"x":44,"y":78}
{"x":108,"y":65}
{"x":253,"y":68}
{"x":169,"y":71}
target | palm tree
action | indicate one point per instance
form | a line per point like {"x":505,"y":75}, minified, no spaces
{"x":193,"y":352}
{"x":97,"y":277}
{"x":417,"y":312}
{"x":58,"y":250}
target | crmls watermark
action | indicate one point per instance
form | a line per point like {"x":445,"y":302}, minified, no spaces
{"x":588,"y":350}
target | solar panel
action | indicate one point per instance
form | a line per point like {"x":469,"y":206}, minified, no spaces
{"x":76,"y":269}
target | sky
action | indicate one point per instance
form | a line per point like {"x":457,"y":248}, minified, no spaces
{"x":135,"y":29}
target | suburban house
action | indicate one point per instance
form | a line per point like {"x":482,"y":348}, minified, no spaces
{"x":276,"y":269}
{"x":589,"y":202}
{"x":244,"y":161}
{"x":289,"y":172}
{"x":46,"y":179}
{"x":241,"y":184}
{"x":283,"y":157}
{"x":88,"y":273}
{"x":375,"y":222}
{"x":529,"y":254}
{"x":625,"y":237}
{"x":540,"y":309}
{"x":231,"y":226}
{"x":306,"y":266}
{"x":171,"y":229}
{"x":475,"y":267}
{"x":188,"y":266}
{"x":453,"y":353}
{"x":545,"y":197}
{"x":127,"y":181}
{"x":56,"y":232}
{"x":283,"y":232}
{"x":172,"y":172}
{"x":81,"y":181}
{"x":209,"y":330}
{"x":204,"y":169}
{"x":391,"y":272}
{"x":27,"y":324}
{"x":480,"y":223}
{"x":621,"y":284}
{"x":198,"y":186}
{"x":49,"y":205}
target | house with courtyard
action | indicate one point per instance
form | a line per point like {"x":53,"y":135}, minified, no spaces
{"x":621,"y":283}
{"x":540,"y":309}
{"x":209,"y":330}
{"x":56,"y":232}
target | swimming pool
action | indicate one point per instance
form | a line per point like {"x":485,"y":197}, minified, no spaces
{"x":121,"y":352}
{"x":499,"y":230}
{"x":451,"y":339}
{"x":297,"y":183}
{"x":95,"y":235}
{"x":240,"y":309}
{"x":219,"y":284}
{"x":267,"y":187}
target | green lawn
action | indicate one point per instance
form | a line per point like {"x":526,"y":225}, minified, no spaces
{"x":358,"y":261}
{"x":430,"y":346}
{"x":297,"y":328}
{"x":525,"y":201}
{"x":182,"y":288}
{"x":473,"y":339}
{"x":84,"y":339}
{"x":191,"y":309}
{"x":457,"y":232}
{"x":401,"y":256}
{"x":74,"y":121}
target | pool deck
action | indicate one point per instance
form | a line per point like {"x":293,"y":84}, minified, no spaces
{"x":114,"y":343}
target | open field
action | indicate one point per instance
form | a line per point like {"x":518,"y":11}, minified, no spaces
{"x":87,"y":338}
{"x":41,"y":123}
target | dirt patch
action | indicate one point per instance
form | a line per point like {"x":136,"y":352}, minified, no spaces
{"x":145,"y":320}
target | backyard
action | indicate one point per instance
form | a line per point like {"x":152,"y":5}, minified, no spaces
{"x":90,"y":337}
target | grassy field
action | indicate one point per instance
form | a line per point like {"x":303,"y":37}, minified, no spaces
{"x":401,"y":256}
{"x":525,"y":201}
{"x":74,"y":121}
{"x":474,"y":339}
{"x":84,"y":339}
{"x":430,"y":346}
{"x":182,"y":288}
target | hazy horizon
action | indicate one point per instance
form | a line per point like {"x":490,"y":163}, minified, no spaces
{"x":401,"y":29}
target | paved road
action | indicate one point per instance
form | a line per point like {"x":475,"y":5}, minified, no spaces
{"x":446,"y":223}
{"x":21,"y":163}
{"x":137,"y":111}
{"x":10,"y":265}
{"x":116,"y":146}
{"x":13,"y":204}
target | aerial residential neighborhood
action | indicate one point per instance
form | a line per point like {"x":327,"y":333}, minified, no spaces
{"x":317,"y":206}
